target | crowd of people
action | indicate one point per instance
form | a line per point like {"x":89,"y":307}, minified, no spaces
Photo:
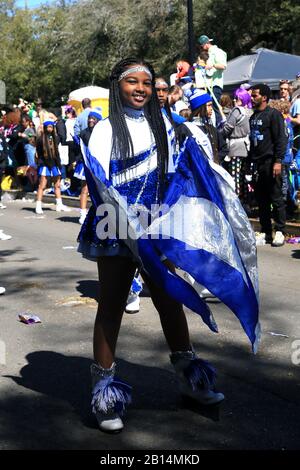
{"x":41,"y":147}
{"x":182,"y":143}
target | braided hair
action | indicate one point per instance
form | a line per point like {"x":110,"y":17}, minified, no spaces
{"x":122,"y":146}
{"x":47,"y":151}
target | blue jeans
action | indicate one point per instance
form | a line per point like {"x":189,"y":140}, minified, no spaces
{"x":217,"y":91}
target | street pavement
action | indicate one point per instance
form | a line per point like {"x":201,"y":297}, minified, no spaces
{"x":45,"y":382}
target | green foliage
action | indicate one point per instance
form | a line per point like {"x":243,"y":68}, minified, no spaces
{"x":52,"y":50}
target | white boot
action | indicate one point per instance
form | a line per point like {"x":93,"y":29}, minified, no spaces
{"x":83,"y":213}
{"x":60,"y":207}
{"x":110,"y":396}
{"x":196,"y":378}
{"x":38,"y":208}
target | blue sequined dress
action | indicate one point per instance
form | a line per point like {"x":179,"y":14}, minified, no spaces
{"x":136,"y":179}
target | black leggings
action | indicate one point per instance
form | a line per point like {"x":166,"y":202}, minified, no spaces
{"x":115,"y":275}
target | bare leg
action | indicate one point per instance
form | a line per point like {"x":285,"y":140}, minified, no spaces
{"x":83,"y":195}
{"x":57,"y":187}
{"x":115,"y":275}
{"x":42,"y":186}
{"x":172,"y":316}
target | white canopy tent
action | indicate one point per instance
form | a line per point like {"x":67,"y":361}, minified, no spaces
{"x":263,"y":66}
{"x":99,"y":97}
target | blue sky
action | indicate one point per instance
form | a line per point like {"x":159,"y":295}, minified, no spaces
{"x":31,"y":3}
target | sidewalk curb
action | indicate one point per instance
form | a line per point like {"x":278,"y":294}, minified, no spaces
{"x":70,"y":201}
{"x":292,"y":228}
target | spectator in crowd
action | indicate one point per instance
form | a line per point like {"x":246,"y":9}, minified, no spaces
{"x":289,"y":188}
{"x":268,"y":142}
{"x":175,"y":95}
{"x":285,"y":90}
{"x":216,"y":64}
{"x":226,"y":104}
{"x":70,"y":132}
{"x":93,"y":117}
{"x":3,"y":163}
{"x":41,"y":116}
{"x":82,"y":119}
{"x":186,"y":114}
{"x":29,"y":138}
{"x":73,"y":152}
{"x":14,"y":132}
{"x":295,"y":116}
{"x":184,"y":73}
{"x":162,"y":90}
{"x":236,"y":129}
{"x":202,"y":75}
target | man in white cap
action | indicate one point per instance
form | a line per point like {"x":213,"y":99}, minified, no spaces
{"x":215,"y":66}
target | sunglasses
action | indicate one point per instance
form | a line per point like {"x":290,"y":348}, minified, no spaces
{"x":284,"y":81}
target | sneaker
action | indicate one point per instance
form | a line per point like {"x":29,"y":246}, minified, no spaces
{"x":3,"y":236}
{"x":62,"y":208}
{"x":260,"y":238}
{"x":2,"y":206}
{"x":39,"y":210}
{"x":2,"y":290}
{"x":133,"y":304}
{"x":278,"y":240}
{"x":82,"y":218}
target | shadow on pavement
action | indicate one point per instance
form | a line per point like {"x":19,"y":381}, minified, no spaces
{"x":65,"y":380}
{"x":89,"y":288}
{"x":296,"y":254}
{"x":32,"y":209}
{"x":71,"y":219}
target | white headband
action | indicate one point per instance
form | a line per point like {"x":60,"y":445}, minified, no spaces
{"x":138,"y":68}
{"x":161,"y":82}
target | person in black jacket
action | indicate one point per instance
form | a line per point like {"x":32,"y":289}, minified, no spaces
{"x":268,"y":142}
{"x":93,"y":117}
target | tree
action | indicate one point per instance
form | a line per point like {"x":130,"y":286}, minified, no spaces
{"x":68,"y":44}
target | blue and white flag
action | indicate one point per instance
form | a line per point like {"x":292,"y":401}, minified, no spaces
{"x":202,"y":228}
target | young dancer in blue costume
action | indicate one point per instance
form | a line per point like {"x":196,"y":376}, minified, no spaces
{"x":49,"y":166}
{"x":131,"y":155}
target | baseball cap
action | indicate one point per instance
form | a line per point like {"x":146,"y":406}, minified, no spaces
{"x":204,"y":39}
